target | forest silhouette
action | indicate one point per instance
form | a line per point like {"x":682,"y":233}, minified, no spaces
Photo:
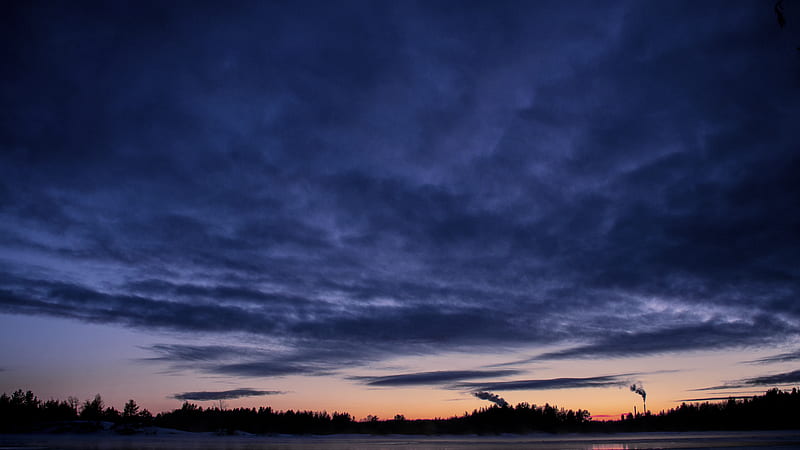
{"x":23,"y":412}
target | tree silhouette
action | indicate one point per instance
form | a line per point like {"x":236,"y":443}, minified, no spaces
{"x":130,"y":411}
{"x":24,"y":412}
{"x":93,"y":410}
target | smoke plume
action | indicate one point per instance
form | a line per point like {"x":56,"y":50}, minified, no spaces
{"x":499,"y":401}
{"x":639,"y":390}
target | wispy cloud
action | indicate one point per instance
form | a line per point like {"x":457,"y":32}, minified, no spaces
{"x":223,"y":395}
{"x":783,"y":357}
{"x":714,"y":399}
{"x":780,"y":378}
{"x":784,"y":378}
{"x":704,"y":336}
{"x":552,"y":383}
{"x":431,"y":378}
{"x":255,"y":362}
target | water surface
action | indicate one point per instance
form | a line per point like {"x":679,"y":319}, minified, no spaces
{"x":624,"y":441}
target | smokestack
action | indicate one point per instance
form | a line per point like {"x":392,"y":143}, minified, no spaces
{"x":496,"y":399}
{"x":640,"y":390}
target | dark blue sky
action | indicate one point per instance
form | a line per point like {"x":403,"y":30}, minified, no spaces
{"x":340,"y":183}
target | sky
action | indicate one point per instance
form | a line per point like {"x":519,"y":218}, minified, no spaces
{"x":388,"y":207}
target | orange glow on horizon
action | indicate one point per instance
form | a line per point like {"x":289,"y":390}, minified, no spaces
{"x":117,"y":369}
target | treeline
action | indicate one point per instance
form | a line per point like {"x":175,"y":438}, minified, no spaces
{"x":24,"y":412}
{"x":520,"y":419}
{"x":775,"y":410}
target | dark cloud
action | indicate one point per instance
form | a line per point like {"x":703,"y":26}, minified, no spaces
{"x":714,"y":399}
{"x":705,"y":336}
{"x":272,"y":315}
{"x":379,"y":181}
{"x":780,"y":378}
{"x":764,"y":380}
{"x":269,"y":368}
{"x":431,"y":378}
{"x":783,"y":357}
{"x":74,"y":301}
{"x":191,"y":353}
{"x":258,"y":362}
{"x":719,"y":388}
{"x":223,"y":395}
{"x":552,"y":383}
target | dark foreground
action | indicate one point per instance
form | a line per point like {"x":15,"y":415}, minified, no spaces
{"x":182,"y":441}
{"x":22,"y":412}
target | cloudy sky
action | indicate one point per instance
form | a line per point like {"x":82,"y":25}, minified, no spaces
{"x":384,"y":207}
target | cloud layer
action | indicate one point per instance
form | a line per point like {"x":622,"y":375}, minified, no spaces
{"x":366,"y":181}
{"x":432,"y":378}
{"x":783,"y":357}
{"x":552,"y":383}
{"x":223,"y":395}
{"x":784,"y":378}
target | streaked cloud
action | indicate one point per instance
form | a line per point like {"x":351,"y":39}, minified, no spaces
{"x":431,"y":378}
{"x":709,"y":335}
{"x":620,"y":380}
{"x":223,"y":395}
{"x":714,"y":399}
{"x":783,"y":357}
{"x":777,"y":379}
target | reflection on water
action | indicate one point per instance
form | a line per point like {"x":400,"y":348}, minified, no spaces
{"x":773,"y":440}
{"x":605,"y":446}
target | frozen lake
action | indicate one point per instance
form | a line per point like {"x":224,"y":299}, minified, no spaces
{"x":719,"y":440}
